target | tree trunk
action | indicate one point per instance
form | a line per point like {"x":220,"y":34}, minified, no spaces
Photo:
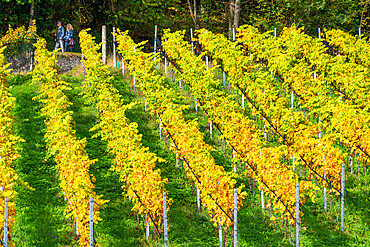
{"x":200,"y":11}
{"x":362,"y":13}
{"x":231,"y":16}
{"x":193,"y":14}
{"x":237,"y":13}
{"x":32,"y":13}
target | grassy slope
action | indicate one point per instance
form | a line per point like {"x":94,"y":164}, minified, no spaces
{"x":40,"y":220}
{"x":39,"y":212}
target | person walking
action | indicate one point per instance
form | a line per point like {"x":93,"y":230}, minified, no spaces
{"x":69,"y":42}
{"x":59,"y":36}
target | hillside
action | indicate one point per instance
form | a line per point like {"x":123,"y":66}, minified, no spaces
{"x":39,"y":213}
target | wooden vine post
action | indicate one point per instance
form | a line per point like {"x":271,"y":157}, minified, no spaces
{"x":165,"y":220}
{"x":114,"y":48}
{"x":342,"y":199}
{"x":6,"y":222}
{"x":297,"y":215}
{"x":235,"y":217}
{"x":220,"y":232}
{"x":104,"y":44}
{"x":91,"y":222}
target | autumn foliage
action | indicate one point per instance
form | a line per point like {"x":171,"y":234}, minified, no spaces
{"x":8,"y":149}
{"x":134,"y":163}
{"x":73,"y":163}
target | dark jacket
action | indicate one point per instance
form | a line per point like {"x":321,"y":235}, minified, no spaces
{"x":60,"y":32}
{"x":69,"y":34}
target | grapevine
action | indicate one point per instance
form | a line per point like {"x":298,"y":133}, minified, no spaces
{"x":340,"y":119}
{"x":355,"y":48}
{"x":215,"y":184}
{"x":69,"y":152}
{"x":134,"y":163}
{"x":350,"y":117}
{"x":350,"y":83}
{"x":265,"y":162}
{"x":8,"y":150}
{"x":19,"y":40}
{"x":297,"y":132}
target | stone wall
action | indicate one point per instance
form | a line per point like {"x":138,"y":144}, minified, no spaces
{"x":66,"y":62}
{"x":20,"y":63}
